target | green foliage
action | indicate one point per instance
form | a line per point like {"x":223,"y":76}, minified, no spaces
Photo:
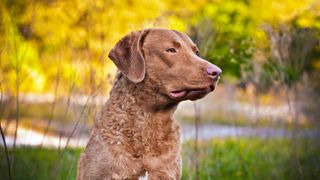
{"x":232,"y":34}
{"x":229,"y":38}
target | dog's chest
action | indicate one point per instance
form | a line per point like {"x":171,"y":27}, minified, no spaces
{"x":160,"y":138}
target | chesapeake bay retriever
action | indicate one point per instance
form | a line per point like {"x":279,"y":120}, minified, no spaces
{"x":134,"y":132}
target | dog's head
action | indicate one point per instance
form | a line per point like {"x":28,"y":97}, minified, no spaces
{"x":170,"y":59}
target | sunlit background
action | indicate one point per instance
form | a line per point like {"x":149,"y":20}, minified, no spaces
{"x":262,"y":122}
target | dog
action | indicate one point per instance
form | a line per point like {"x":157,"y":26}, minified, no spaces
{"x":135,"y":133}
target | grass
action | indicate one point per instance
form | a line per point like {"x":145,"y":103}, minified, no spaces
{"x":252,"y":158}
{"x":35,"y":163}
{"x":232,"y":158}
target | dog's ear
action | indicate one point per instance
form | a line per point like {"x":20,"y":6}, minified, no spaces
{"x":127,"y":55}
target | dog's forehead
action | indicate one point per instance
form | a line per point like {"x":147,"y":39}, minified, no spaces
{"x":168,"y":36}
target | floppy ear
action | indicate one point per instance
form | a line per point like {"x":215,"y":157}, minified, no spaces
{"x":128,"y":57}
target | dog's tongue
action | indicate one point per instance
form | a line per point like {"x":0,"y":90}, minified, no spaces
{"x":178,"y":94}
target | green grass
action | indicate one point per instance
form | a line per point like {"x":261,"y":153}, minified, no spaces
{"x":34,"y":163}
{"x":252,"y":158}
{"x":240,"y":158}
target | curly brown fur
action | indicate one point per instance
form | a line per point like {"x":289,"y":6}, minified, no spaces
{"x":135,"y":133}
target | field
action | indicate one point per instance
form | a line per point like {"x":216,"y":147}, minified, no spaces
{"x":231,"y":158}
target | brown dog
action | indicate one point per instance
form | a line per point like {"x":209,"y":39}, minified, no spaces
{"x":135,"y":132}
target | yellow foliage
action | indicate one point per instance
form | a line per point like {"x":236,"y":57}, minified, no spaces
{"x":279,"y":11}
{"x":70,"y":39}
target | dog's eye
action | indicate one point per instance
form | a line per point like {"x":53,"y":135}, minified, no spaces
{"x":171,"y":50}
{"x":197,"y":53}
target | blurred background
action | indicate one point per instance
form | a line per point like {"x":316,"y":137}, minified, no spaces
{"x":262,"y":122}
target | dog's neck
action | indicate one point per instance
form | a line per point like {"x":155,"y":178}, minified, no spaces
{"x":144,"y":96}
{"x":141,"y":108}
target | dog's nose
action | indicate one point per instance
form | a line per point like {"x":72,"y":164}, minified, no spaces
{"x":214,"y":71}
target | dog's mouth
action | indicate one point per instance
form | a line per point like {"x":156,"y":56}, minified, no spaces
{"x":191,"y":93}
